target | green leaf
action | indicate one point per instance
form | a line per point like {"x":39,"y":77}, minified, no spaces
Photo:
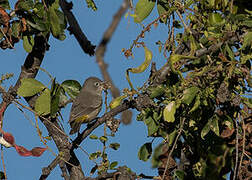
{"x":163,"y":7}
{"x":229,"y":122}
{"x":216,"y":19}
{"x":169,"y":112}
{"x":145,"y":151}
{"x":39,"y":24}
{"x":30,"y":87}
{"x":155,"y":157}
{"x":151,"y":125}
{"x":143,"y":9}
{"x":93,"y":170}
{"x":55,"y":98}
{"x":54,"y":22}
{"x":43,"y":103}
{"x":171,"y":137}
{"x":189,"y":95}
{"x":114,"y":146}
{"x":91,"y":4}
{"x":157,"y":91}
{"x":39,"y":10}
{"x":103,"y":139}
{"x":28,"y":43}
{"x":24,"y":5}
{"x":5,"y":4}
{"x":196,"y":104}
{"x":142,"y":67}
{"x":92,"y":136}
{"x":205,"y":130}
{"x":247,"y":40}
{"x":95,"y":155}
{"x":245,"y":58}
{"x":72,"y":87}
{"x":117,"y":101}
{"x":179,"y":174}
{"x":54,"y":4}
{"x":15,"y":28}
{"x":214,"y":126}
{"x":62,"y":19}
{"x":113,"y":165}
{"x":230,"y":52}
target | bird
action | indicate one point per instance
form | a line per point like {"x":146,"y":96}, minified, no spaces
{"x":87,"y":104}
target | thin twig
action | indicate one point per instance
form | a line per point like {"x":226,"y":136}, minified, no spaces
{"x":236,"y":147}
{"x":243,"y":145}
{"x":8,"y":41}
{"x":100,"y":51}
{"x":147,"y":28}
{"x":173,"y":147}
{"x":36,"y":114}
{"x":2,"y":157}
{"x":183,"y":22}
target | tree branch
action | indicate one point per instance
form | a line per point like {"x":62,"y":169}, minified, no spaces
{"x":47,"y":170}
{"x":75,"y":29}
{"x":100,"y":51}
{"x":30,"y":70}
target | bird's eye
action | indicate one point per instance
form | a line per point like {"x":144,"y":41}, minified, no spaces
{"x":96,"y":84}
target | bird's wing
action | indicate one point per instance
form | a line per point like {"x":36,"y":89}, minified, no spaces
{"x":85,"y":107}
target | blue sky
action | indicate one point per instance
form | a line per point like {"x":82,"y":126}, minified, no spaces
{"x":65,"y":60}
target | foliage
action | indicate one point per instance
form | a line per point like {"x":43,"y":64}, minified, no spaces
{"x":199,"y":103}
{"x":209,"y":93}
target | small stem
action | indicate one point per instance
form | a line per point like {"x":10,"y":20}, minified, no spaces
{"x":173,"y":147}
{"x":2,"y":157}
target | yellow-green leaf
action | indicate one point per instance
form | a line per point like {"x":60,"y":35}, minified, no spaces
{"x":196,"y":104}
{"x":189,"y":95}
{"x":30,"y":87}
{"x":54,"y":22}
{"x":114,"y":146}
{"x":43,"y":103}
{"x":205,"y":130}
{"x":28,"y":43}
{"x":163,"y":7}
{"x":72,"y":87}
{"x":142,"y":67}
{"x":113,"y":165}
{"x":143,"y":9}
{"x":117,"y":101}
{"x":247,"y":40}
{"x":216,"y":19}
{"x":169,"y":112}
{"x":151,"y":125}
{"x":145,"y":151}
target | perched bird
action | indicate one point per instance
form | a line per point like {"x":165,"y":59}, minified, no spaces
{"x":87,"y":104}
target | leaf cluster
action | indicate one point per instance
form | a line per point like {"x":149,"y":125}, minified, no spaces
{"x":207,"y":86}
{"x":29,"y":18}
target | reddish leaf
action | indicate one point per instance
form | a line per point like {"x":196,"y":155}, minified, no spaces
{"x":22,"y":151}
{"x":9,"y":138}
{"x":38,"y":151}
{"x":4,"y":17}
{"x":227,"y":132}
